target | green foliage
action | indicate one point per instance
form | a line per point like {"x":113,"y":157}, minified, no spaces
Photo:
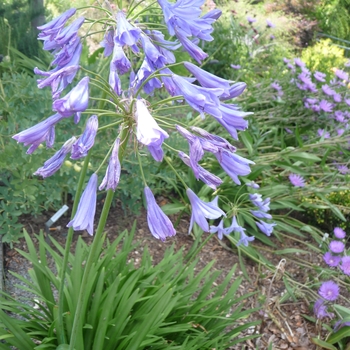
{"x":151,"y":307}
{"x":323,"y":56}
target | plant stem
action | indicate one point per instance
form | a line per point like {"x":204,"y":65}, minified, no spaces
{"x":93,"y":254}
{"x":60,"y":324}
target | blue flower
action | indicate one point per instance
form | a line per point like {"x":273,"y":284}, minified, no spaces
{"x":108,"y":43}
{"x":86,"y":141}
{"x":220,"y":230}
{"x":44,"y":131}
{"x":120,"y":62}
{"x":260,"y":214}
{"x":126,"y":33}
{"x":158,"y":223}
{"x":202,"y":211}
{"x":152,"y":52}
{"x":55,"y":162}
{"x":265,"y":228}
{"x":75,"y":102}
{"x":245,"y":239}
{"x":85,"y":215}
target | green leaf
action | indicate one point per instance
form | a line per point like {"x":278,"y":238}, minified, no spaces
{"x":323,"y":344}
{"x":343,"y":333}
{"x":304,"y":156}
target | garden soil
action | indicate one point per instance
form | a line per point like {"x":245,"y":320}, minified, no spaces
{"x":282,"y":324}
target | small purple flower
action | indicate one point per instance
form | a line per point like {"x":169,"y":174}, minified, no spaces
{"x":320,"y":309}
{"x":220,"y":230}
{"x":234,"y":165}
{"x":272,"y":37}
{"x":326,"y":106}
{"x":126,"y":34}
{"x":299,"y":62}
{"x":152,"y":53}
{"x":111,"y":179}
{"x":55,"y":162}
{"x":263,"y":205}
{"x":261,"y":214}
{"x":65,"y":35}
{"x":327,"y":90}
{"x":329,"y":290}
{"x":114,"y":80}
{"x":148,"y":131}
{"x":108,"y":43}
{"x":235,"y":66}
{"x":75,"y":102}
{"x":270,"y":24}
{"x":331,"y":260}
{"x":119,"y":61}
{"x":345,"y":265}
{"x":202,"y":211}
{"x":82,"y":146}
{"x":85,"y":215}
{"x":235,"y":90}
{"x":276,"y":86}
{"x":244,"y":239}
{"x":323,"y":133}
{"x":251,"y":19}
{"x":337,"y":98}
{"x":44,"y":131}
{"x":339,"y":233}
{"x":336,"y":247}
{"x":339,"y":116}
{"x":319,"y":76}
{"x":252,"y":184}
{"x":341,"y":74}
{"x":297,"y":180}
{"x":347,"y":101}
{"x":159,"y":224}
{"x":343,"y":169}
{"x":265,"y":227}
{"x":286,"y":60}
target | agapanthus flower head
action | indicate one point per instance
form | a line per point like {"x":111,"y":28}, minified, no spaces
{"x":85,"y":215}
{"x":56,"y":161}
{"x":331,"y":260}
{"x":320,"y":309}
{"x":126,"y":34}
{"x":339,"y":233}
{"x":329,"y":290}
{"x":82,"y":146}
{"x":336,"y":247}
{"x":148,"y":131}
{"x":158,"y":223}
{"x":345,"y":265}
{"x":202,"y":211}
{"x":75,"y":102}
{"x":43,"y":131}
{"x":111,"y":179}
{"x":265,"y":227}
{"x":297,"y":180}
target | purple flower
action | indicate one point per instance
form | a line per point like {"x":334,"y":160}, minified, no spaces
{"x":126,"y":34}
{"x":203,"y":100}
{"x":337,"y":98}
{"x":320,"y":309}
{"x":265,"y":227}
{"x":119,"y":61}
{"x":58,"y":80}
{"x":235,"y":90}
{"x":69,"y":55}
{"x":55,"y":162}
{"x":114,"y":80}
{"x":196,"y":154}
{"x":220,"y":230}
{"x":84,"y":217}
{"x":299,"y":62}
{"x":286,"y":60}
{"x":277,"y":87}
{"x":44,"y":131}
{"x":327,"y":90}
{"x":202,"y":211}
{"x":326,"y":106}
{"x":270,"y":24}
{"x":336,"y":247}
{"x":319,"y":76}
{"x":86,"y":140}
{"x":341,"y":74}
{"x":331,"y":260}
{"x":345,"y":265}
{"x":343,"y":169}
{"x":152,"y":53}
{"x":339,"y":233}
{"x":108,"y":43}
{"x":233,"y":165}
{"x":111,"y":179}
{"x":347,"y":101}
{"x":297,"y":180}
{"x":159,"y":224}
{"x":75,"y":102}
{"x":148,"y":131}
{"x":339,"y":116}
{"x":65,"y":35}
{"x":208,"y":80}
{"x":245,"y":239}
{"x":261,"y":214}
{"x":252,"y":184}
{"x":323,"y":133}
{"x":251,"y":19}
{"x":204,"y":175}
{"x":256,"y":199}
{"x":329,"y":290}
{"x":235,"y":66}
{"x":143,"y":73}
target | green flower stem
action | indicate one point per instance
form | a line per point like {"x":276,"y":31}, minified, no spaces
{"x":94,"y":252}
{"x":60,"y":324}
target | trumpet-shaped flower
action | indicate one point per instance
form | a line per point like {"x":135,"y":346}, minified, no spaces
{"x":85,"y":215}
{"x":235,"y":90}
{"x":120,"y":62}
{"x":55,"y":162}
{"x":108,"y":43}
{"x":126,"y":33}
{"x":44,"y":131}
{"x":202,"y":211}
{"x":111,"y":179}
{"x":220,"y":230}
{"x":158,"y":223}
{"x":86,"y":141}
{"x":75,"y":102}
{"x":148,"y":131}
{"x":265,"y":228}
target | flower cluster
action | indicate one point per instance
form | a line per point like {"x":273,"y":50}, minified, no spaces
{"x":128,"y":44}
